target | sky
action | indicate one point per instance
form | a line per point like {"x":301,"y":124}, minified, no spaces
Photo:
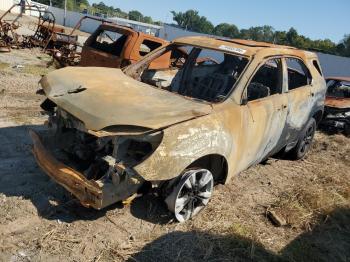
{"x":317,"y":19}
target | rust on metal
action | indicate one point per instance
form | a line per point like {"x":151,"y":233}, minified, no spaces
{"x":337,"y":102}
{"x":337,"y":105}
{"x":45,"y":28}
{"x":69,"y":178}
{"x":116,"y":46}
{"x":151,"y":121}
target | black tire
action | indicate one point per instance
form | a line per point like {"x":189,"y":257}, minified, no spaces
{"x":347,"y":129}
{"x":305,"y":141}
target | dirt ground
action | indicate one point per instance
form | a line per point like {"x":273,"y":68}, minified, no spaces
{"x":40,"y":221}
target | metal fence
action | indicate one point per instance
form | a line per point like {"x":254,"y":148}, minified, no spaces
{"x":332,"y":65}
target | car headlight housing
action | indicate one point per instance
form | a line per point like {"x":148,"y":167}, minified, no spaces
{"x":132,"y":151}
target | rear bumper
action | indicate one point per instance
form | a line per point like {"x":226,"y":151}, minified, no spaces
{"x":96,"y":194}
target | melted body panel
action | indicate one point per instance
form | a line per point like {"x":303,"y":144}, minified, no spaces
{"x":97,"y":194}
{"x":130,"y":50}
{"x":119,"y":101}
{"x":242,"y":132}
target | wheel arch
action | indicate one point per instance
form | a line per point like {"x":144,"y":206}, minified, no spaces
{"x":318,"y":116}
{"x":217,"y":164}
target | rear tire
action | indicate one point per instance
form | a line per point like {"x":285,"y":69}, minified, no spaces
{"x":305,"y":141}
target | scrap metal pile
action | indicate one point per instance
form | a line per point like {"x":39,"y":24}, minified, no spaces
{"x":51,"y":38}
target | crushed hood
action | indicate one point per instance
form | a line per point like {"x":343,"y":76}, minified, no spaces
{"x":102,"y":97}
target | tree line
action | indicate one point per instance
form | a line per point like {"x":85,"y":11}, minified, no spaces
{"x":192,"y":21}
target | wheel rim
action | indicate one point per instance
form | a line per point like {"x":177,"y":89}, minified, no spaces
{"x":307,"y":139}
{"x":191,"y":194}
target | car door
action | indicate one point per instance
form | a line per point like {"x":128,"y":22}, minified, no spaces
{"x":300,"y":96}
{"x":105,"y":48}
{"x":143,"y":46}
{"x":264,"y":111}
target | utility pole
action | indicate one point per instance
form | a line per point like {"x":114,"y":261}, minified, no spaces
{"x":65,"y":12}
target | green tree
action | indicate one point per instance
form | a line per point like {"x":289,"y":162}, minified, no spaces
{"x":226,"y":30}
{"x":343,"y":48}
{"x":119,"y":13}
{"x":259,"y":33}
{"x":280,"y":37}
{"x":135,"y":15}
{"x":292,"y":36}
{"x":191,"y":20}
{"x":147,"y":19}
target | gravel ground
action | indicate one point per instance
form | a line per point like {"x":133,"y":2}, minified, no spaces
{"x":40,"y":221}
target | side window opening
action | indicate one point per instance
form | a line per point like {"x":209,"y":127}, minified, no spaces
{"x":267,"y":80}
{"x":109,"y":42}
{"x":166,"y":69}
{"x":317,"y":66}
{"x":298,"y":73}
{"x":148,"y":46}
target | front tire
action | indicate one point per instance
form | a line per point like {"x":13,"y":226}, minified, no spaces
{"x":305,"y":141}
{"x":190,"y":194}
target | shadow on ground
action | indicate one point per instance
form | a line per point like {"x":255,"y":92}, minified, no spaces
{"x":20,"y":176}
{"x":328,"y":241}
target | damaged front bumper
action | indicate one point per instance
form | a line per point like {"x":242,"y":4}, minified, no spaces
{"x":96,"y":194}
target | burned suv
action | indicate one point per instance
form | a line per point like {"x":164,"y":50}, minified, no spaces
{"x":337,"y":105}
{"x":180,"y":128}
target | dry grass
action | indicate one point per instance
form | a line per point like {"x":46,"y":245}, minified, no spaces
{"x":37,"y":70}
{"x":4,"y":65}
{"x":327,"y":190}
{"x":312,"y":194}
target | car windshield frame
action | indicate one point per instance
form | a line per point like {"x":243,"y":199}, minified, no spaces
{"x":136,"y":70}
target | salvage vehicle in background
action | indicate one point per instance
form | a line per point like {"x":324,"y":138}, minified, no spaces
{"x":337,"y":105}
{"x":117,"y":46}
{"x":178,"y":127}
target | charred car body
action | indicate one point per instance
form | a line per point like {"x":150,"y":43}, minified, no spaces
{"x":180,"y":128}
{"x":117,"y":46}
{"x":111,"y":45}
{"x":337,"y":105}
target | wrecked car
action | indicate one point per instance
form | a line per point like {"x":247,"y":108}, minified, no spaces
{"x":117,"y":46}
{"x":67,"y":49}
{"x":178,"y":129}
{"x":337,"y":105}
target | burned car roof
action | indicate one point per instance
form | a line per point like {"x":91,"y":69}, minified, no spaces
{"x":242,"y":47}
